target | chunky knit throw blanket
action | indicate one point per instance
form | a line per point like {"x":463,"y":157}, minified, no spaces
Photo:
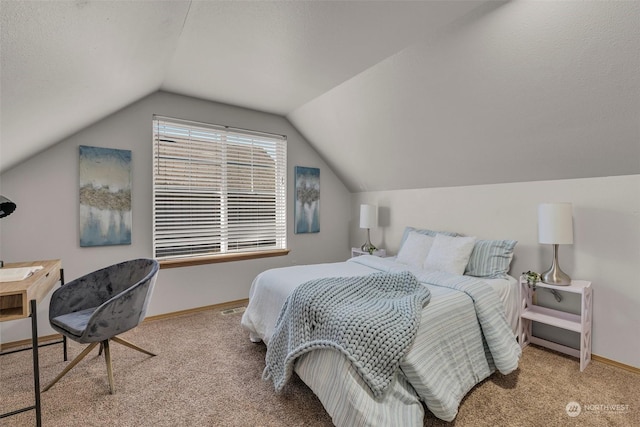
{"x":371,"y":319}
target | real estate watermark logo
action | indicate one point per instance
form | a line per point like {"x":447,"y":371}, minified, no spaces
{"x":574,"y":409}
{"x":615,"y":408}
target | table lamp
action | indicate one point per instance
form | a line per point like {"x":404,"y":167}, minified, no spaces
{"x":368,"y":219}
{"x":555,"y":227}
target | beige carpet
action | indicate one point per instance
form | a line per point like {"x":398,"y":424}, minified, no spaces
{"x":207,"y":373}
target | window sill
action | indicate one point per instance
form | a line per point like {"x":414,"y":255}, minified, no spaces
{"x":212,"y":259}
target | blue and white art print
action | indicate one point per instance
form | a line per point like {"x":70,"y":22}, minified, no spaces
{"x":307,"y":208}
{"x":105,"y":196}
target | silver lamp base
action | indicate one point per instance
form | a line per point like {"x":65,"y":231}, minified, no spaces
{"x":368,"y":247}
{"x":554,"y":275}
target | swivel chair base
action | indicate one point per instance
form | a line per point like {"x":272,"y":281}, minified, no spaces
{"x":107,"y":355}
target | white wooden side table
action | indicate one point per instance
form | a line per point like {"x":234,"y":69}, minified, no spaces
{"x":578,"y":323}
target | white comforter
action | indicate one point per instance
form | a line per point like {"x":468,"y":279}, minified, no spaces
{"x":447,"y":359}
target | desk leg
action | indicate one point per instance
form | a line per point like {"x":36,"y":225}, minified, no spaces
{"x":64,"y":338}
{"x":36,"y":362}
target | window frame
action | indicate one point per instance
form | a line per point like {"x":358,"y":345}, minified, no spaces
{"x":235,"y":154}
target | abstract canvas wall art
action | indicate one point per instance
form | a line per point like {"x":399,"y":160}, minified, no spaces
{"x":105,"y":196}
{"x":307,"y":206}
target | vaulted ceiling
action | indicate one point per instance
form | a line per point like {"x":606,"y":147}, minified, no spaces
{"x":392,"y":94}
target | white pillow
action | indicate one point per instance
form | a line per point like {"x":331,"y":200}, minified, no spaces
{"x":450,"y":254}
{"x":414,"y":250}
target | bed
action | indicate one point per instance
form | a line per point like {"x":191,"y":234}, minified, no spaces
{"x":458,"y":342}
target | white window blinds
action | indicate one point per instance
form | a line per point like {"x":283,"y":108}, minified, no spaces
{"x":216,"y":190}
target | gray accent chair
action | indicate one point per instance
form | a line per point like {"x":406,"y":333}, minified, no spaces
{"x":95,"y":308}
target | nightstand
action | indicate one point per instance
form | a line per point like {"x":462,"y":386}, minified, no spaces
{"x":572,"y":322}
{"x":357,"y":252}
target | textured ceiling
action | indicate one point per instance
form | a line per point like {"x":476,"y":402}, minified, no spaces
{"x":392,"y":94}
{"x":67,"y":64}
{"x":525,"y":91}
{"x":276,"y":56}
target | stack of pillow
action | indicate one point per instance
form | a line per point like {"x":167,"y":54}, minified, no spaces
{"x":455,"y":254}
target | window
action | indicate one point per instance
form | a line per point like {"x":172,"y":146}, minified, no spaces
{"x":216,"y":190}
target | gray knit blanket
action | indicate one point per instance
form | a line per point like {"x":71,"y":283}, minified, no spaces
{"x":372,"y":320}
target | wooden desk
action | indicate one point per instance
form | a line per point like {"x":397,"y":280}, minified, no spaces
{"x":15,"y":296}
{"x":18,"y":300}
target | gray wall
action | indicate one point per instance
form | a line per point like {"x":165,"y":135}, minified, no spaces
{"x":45,"y":224}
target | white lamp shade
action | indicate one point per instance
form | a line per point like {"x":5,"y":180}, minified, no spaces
{"x":368,"y":216}
{"x":555,"y":223}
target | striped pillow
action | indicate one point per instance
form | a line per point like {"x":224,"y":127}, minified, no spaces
{"x":491,"y":259}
